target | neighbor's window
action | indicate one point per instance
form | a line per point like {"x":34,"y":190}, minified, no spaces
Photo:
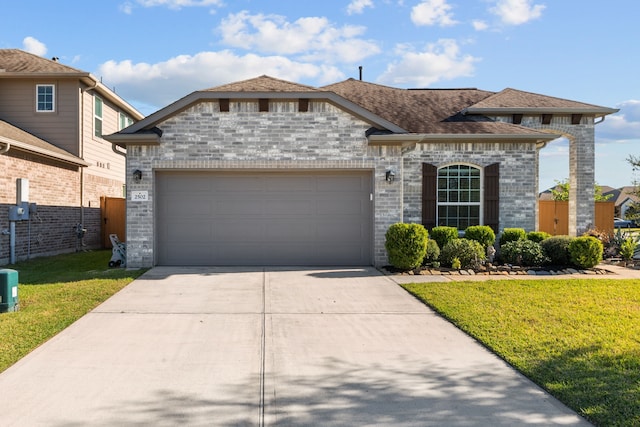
{"x":45,"y":98}
{"x":125,"y":121}
{"x":97,"y":116}
{"x":459,"y":200}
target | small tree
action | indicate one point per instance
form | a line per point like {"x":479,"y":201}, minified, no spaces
{"x":561,"y":192}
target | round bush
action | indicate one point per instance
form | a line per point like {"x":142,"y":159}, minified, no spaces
{"x":556,"y":248}
{"x":585,"y":251}
{"x":482,"y":234}
{"x":537,"y":236}
{"x":406,"y":245}
{"x":523,"y":252}
{"x":469,"y":252}
{"x":433,"y":253}
{"x":512,"y":234}
{"x":443,"y":235}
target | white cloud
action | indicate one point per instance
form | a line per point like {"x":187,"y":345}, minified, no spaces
{"x":357,"y":6}
{"x":517,"y":12}
{"x":439,"y":61}
{"x":126,"y":7}
{"x":35,"y":46}
{"x":622,"y":126}
{"x":157,"y":85}
{"x":480,"y":25}
{"x":432,"y":12}
{"x":313,"y":38}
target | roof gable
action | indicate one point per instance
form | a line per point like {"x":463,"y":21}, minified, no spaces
{"x":262,"y":84}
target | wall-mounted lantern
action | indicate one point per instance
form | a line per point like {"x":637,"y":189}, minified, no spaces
{"x":389,"y":175}
{"x":137,"y":175}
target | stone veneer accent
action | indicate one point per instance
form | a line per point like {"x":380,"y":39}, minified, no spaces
{"x":518,"y":178}
{"x":581,"y":165}
{"x":203,"y":138}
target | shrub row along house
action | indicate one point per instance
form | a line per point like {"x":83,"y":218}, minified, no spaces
{"x":52,"y":121}
{"x":271,"y":172}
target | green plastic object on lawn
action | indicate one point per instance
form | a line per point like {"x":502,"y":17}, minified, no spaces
{"x":8,"y":290}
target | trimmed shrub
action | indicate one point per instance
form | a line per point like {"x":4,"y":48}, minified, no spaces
{"x":556,"y":248}
{"x":482,"y":234}
{"x":469,"y":253}
{"x":443,"y":235}
{"x":523,"y":252}
{"x":433,"y":253}
{"x":512,"y":234}
{"x":585,"y":251}
{"x":628,"y":247}
{"x":538,"y":236}
{"x":406,"y":245}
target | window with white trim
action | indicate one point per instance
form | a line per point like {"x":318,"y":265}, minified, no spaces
{"x":124,"y":121}
{"x":97,"y":116}
{"x":459,"y":196}
{"x":45,"y":98}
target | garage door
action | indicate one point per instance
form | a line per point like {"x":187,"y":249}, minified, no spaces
{"x":264,"y":218}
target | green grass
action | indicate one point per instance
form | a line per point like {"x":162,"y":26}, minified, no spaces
{"x":54,"y":292}
{"x":578,"y":339}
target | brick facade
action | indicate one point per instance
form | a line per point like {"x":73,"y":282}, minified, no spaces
{"x":202,"y":137}
{"x":55,"y":188}
{"x":249,"y":135}
{"x":518,"y":177}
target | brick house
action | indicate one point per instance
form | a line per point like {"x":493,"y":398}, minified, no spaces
{"x":270,"y":172}
{"x":52,"y":118}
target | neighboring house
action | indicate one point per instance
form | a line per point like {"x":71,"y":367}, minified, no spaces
{"x":270,"y":172}
{"x":624,"y":198}
{"x":52,"y":118}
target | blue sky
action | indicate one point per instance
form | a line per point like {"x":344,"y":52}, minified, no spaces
{"x":153,"y":52}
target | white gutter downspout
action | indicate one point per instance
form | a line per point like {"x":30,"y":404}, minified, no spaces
{"x":81,"y":147}
{"x":6,"y":148}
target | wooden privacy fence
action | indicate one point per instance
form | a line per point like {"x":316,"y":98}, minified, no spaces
{"x":112,"y":213}
{"x":553,"y":216}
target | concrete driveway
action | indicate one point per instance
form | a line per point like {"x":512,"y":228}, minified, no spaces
{"x":286,"y":347}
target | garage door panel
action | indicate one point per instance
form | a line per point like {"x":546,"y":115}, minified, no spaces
{"x":348,"y":206}
{"x":232,"y":206}
{"x":284,"y":206}
{"x":284,"y":183}
{"x":239,"y":184}
{"x":270,"y":218}
{"x":229,"y":230}
{"x":341,"y":184}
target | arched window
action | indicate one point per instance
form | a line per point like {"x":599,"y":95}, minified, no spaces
{"x":459,"y":197}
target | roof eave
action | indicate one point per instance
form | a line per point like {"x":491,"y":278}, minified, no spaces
{"x":70,"y":159}
{"x":125,"y":139}
{"x":598,"y":112}
{"x":414,"y":138}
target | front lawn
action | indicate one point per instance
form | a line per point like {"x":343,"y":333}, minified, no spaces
{"x":578,"y":339}
{"x":54,"y":292}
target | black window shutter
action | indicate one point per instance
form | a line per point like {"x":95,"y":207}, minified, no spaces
{"x":429,"y":188}
{"x":492,"y":196}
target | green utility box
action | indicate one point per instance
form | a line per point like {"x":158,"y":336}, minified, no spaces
{"x":8,"y":290}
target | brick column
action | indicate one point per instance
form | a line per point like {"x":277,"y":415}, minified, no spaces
{"x":581,"y":179}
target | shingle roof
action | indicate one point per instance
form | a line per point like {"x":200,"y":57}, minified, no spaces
{"x":429,"y":111}
{"x":517,"y":99}
{"x":23,"y":140}
{"x":262,"y":84}
{"x":19,"y":61}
